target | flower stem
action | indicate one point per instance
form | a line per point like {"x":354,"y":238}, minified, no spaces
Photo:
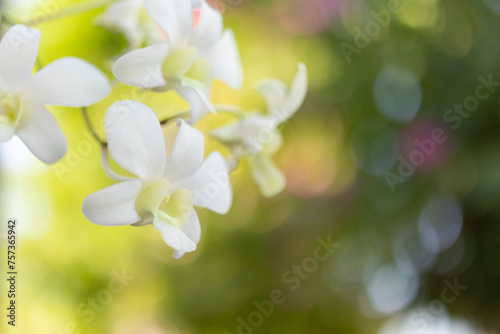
{"x":171,"y":118}
{"x":91,"y":128}
{"x":233,"y":163}
{"x":107,"y":167}
{"x":7,"y":20}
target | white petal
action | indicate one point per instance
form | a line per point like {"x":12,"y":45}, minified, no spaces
{"x":256,"y":131}
{"x":197,"y":3}
{"x":7,"y":131}
{"x":209,"y":28}
{"x":272,"y":145}
{"x":229,"y":134}
{"x":187,"y":154}
{"x":18,"y":52}
{"x":135,"y":139}
{"x":192,"y":229}
{"x":297,"y":92}
{"x":124,"y":17}
{"x":175,"y":17}
{"x":225,"y":59}
{"x":39,"y":131}
{"x":210,"y":185}
{"x":174,"y":236}
{"x":69,"y":82}
{"x":114,"y":205}
{"x":268,"y":177}
{"x":199,"y":101}
{"x":274,"y":92}
{"x":142,"y":68}
{"x":11,"y":116}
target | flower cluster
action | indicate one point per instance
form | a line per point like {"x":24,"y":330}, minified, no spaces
{"x":178,"y":45}
{"x":69,"y":82}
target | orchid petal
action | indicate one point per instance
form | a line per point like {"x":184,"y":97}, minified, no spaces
{"x":198,"y":100}
{"x":175,"y":17}
{"x":123,"y":16}
{"x":7,"y":129}
{"x":135,"y":139}
{"x":115,"y":205}
{"x":192,"y":229}
{"x":225,"y":60}
{"x":228,"y":135}
{"x":11,"y":111}
{"x":268,"y":177}
{"x":174,"y":236}
{"x":143,"y":67}
{"x":18,"y":52}
{"x":210,"y":185}
{"x":187,"y":154}
{"x":274,"y":93}
{"x":69,"y":82}
{"x":177,"y":64}
{"x":256,"y":131}
{"x":272,"y":145}
{"x":209,"y":28}
{"x":39,"y":131}
{"x":297,"y":93}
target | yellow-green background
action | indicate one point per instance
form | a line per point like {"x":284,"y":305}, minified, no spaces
{"x":65,"y":259}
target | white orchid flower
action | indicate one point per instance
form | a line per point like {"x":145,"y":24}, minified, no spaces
{"x":130,"y":18}
{"x":165,"y":188}
{"x":256,"y":137}
{"x":197,"y":51}
{"x":69,"y":82}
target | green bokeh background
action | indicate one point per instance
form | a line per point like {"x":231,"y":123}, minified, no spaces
{"x":64,"y":259}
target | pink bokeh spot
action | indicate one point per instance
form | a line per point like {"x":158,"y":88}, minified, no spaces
{"x":308,"y":17}
{"x":418,"y":136}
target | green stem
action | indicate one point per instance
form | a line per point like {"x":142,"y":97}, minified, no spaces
{"x":171,"y":118}
{"x":107,"y":167}
{"x":233,"y":162}
{"x":91,"y":128}
{"x":7,"y":20}
{"x":105,"y":158}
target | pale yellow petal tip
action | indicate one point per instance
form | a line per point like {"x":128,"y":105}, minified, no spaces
{"x":272,"y":189}
{"x":302,"y":74}
{"x":174,"y":236}
{"x":270,"y":180}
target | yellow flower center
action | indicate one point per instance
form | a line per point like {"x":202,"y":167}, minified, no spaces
{"x":186,"y":66}
{"x":10,"y":112}
{"x":155,"y":201}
